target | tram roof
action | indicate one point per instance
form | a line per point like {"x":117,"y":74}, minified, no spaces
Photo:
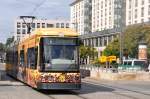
{"x":55,"y":32}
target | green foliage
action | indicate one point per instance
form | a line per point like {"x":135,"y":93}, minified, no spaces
{"x":9,"y":41}
{"x":86,"y":51}
{"x":83,"y":52}
{"x":134,"y":35}
{"x":2,"y":47}
{"x":96,"y":61}
{"x":131,"y":38}
{"x":112,"y":48}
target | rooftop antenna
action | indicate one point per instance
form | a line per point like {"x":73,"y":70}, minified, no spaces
{"x":25,"y":18}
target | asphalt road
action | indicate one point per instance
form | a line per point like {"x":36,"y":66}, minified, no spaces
{"x":91,"y":89}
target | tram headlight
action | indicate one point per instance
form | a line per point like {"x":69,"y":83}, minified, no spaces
{"x":48,"y":65}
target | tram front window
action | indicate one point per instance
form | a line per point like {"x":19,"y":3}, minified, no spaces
{"x":59,"y":56}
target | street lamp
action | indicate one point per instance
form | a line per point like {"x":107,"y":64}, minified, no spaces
{"x":120,"y":25}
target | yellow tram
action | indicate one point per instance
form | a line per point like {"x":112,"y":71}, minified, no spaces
{"x":47,"y":59}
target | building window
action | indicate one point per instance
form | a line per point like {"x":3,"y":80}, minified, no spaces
{"x":18,"y":31}
{"x":142,"y":12}
{"x":57,"y":25}
{"x":129,"y":15}
{"x":135,"y":13}
{"x":101,"y":13}
{"x":135,"y":22}
{"x":38,"y":25}
{"x":110,"y":12}
{"x":50,"y":25}
{"x":43,"y":25}
{"x":33,"y":25}
{"x":105,"y":41}
{"x":18,"y":25}
{"x":105,"y":12}
{"x":97,"y":6}
{"x":105,"y":3}
{"x":62,"y":25}
{"x":96,"y":39}
{"x":130,"y":4}
{"x":23,"y":31}
{"x":18,"y":38}
{"x":149,"y":19}
{"x":109,"y":2}
{"x":101,"y":4}
{"x":109,"y":20}
{"x":149,"y":10}
{"x":67,"y":25}
{"x":100,"y":41}
{"x":105,"y":21}
{"x":142,"y":2}
{"x":136,"y":3}
{"x":23,"y":25}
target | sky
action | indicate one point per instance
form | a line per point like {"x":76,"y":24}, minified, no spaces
{"x":42,"y":9}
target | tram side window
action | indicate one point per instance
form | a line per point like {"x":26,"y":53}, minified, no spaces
{"x":22,"y":58}
{"x":32,"y":54}
{"x":15,"y":58}
{"x":8,"y":57}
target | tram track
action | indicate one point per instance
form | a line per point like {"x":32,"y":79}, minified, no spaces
{"x":78,"y":96}
{"x":51,"y":94}
{"x":120,"y":94}
{"x":117,"y":91}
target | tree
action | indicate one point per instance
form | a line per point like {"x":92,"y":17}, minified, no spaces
{"x":2,"y":47}
{"x":86,"y":51}
{"x":112,"y":48}
{"x":9,"y":41}
{"x":83,"y":53}
{"x":132,"y":36}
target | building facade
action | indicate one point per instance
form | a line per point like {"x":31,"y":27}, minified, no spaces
{"x":20,"y":29}
{"x":98,"y":17}
{"x":108,"y":14}
{"x":137,"y":11}
{"x":108,"y":18}
{"x":81,"y":13}
{"x":102,"y":15}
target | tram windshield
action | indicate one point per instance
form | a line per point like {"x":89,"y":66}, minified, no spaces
{"x":59,"y":54}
